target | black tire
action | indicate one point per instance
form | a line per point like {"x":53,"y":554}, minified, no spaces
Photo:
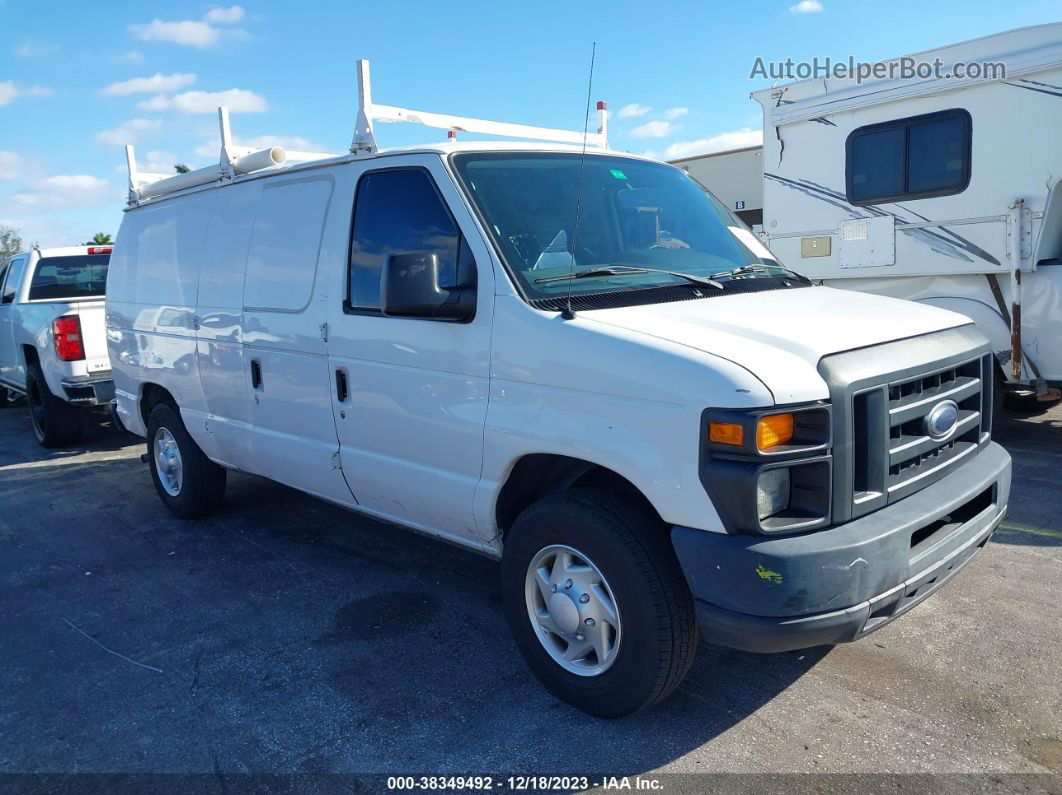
{"x":202,"y":487}
{"x":633,"y":551}
{"x":55,"y":422}
{"x":5,"y":398}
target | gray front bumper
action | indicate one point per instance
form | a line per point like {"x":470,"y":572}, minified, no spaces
{"x":831,"y":586}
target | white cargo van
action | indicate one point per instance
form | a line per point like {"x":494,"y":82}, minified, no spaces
{"x":570,"y":359}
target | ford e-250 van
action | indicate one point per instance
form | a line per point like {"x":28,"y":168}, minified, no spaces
{"x":573,"y":360}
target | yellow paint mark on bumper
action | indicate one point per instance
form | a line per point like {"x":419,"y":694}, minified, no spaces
{"x":767,"y":574}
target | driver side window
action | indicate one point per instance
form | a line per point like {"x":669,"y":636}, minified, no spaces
{"x":398,"y":211}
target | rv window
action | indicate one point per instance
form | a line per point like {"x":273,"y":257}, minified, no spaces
{"x":913,"y":158}
{"x":397,"y":211}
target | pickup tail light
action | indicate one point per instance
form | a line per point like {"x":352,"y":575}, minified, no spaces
{"x":66,"y":331}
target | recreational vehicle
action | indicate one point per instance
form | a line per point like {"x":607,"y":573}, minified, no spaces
{"x":943,"y":190}
{"x":573,"y":360}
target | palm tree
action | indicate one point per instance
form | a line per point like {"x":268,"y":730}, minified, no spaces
{"x":100,"y":239}
{"x":181,"y":168}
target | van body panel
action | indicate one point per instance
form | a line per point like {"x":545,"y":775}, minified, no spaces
{"x":223,"y":373}
{"x":613,"y":397}
{"x":151,"y":306}
{"x":284,"y":350}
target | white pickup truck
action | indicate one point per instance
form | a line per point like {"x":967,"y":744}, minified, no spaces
{"x":53,"y":344}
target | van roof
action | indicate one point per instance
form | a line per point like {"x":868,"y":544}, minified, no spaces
{"x":441,"y":149}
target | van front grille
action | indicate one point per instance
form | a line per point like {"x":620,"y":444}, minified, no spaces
{"x":883,"y":448}
{"x":914,"y":455}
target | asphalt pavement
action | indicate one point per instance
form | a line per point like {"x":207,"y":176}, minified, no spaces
{"x":285,"y":635}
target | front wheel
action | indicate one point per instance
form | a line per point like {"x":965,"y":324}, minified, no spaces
{"x":189,"y":484}
{"x":597,"y":603}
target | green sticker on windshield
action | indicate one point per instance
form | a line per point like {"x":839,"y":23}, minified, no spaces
{"x":617,"y":173}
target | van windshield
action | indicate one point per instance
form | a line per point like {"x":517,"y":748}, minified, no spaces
{"x":638,"y":220}
{"x":70,"y":278}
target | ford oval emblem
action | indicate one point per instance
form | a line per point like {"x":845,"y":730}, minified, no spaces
{"x":941,"y":420}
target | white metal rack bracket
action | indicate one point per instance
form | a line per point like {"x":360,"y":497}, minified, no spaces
{"x":235,"y":160}
{"x":364,"y":142}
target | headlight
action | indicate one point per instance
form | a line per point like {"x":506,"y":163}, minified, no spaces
{"x":772,"y":492}
{"x":769,"y":470}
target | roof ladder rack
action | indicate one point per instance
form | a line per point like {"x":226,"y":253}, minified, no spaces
{"x":233,"y":161}
{"x":364,"y":141}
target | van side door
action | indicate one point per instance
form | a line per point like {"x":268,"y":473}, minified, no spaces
{"x":410,"y":394}
{"x":284,"y":343}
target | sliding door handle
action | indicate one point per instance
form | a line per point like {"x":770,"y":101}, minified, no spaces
{"x":256,"y":374}
{"x":342,"y":387}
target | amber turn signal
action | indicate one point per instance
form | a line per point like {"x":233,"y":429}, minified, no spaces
{"x":773,"y":430}
{"x":726,"y":433}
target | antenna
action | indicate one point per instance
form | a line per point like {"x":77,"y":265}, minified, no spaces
{"x":568,"y":314}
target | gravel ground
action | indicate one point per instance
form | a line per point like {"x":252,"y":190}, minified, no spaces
{"x":288,"y":636}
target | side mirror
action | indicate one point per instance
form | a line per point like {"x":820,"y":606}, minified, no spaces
{"x":409,"y":287}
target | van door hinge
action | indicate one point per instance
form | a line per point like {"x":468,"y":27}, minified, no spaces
{"x":324,"y":332}
{"x":337,"y":462}
{"x":195,"y":322}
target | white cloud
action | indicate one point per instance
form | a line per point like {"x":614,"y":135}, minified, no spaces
{"x":633,"y":111}
{"x":654,"y":129}
{"x":225,"y":16}
{"x":63,"y":191}
{"x":34,"y":48}
{"x":149,"y":85}
{"x":674,"y":113}
{"x":129,"y":132}
{"x":293,"y":143}
{"x":737,"y":139}
{"x":132,"y":56}
{"x":10,"y":92}
{"x":187,"y":32}
{"x":806,"y":7}
{"x":12,"y":165}
{"x":157,"y":161}
{"x":192,"y":32}
{"x":237,"y":100}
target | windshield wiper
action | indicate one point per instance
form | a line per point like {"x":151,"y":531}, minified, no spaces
{"x":756,"y":266}
{"x":619,"y":270}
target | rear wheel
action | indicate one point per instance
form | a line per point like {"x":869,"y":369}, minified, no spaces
{"x":55,"y":422}
{"x":189,"y":483}
{"x":597,"y":602}
{"x":5,"y":398}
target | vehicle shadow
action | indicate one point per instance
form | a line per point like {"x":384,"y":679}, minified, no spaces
{"x":98,"y":435}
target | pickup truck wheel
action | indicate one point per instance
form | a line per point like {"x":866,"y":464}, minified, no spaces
{"x":189,"y":483}
{"x":597,"y":603}
{"x":55,"y":422}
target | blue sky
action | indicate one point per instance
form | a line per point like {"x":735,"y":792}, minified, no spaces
{"x":78,"y":80}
